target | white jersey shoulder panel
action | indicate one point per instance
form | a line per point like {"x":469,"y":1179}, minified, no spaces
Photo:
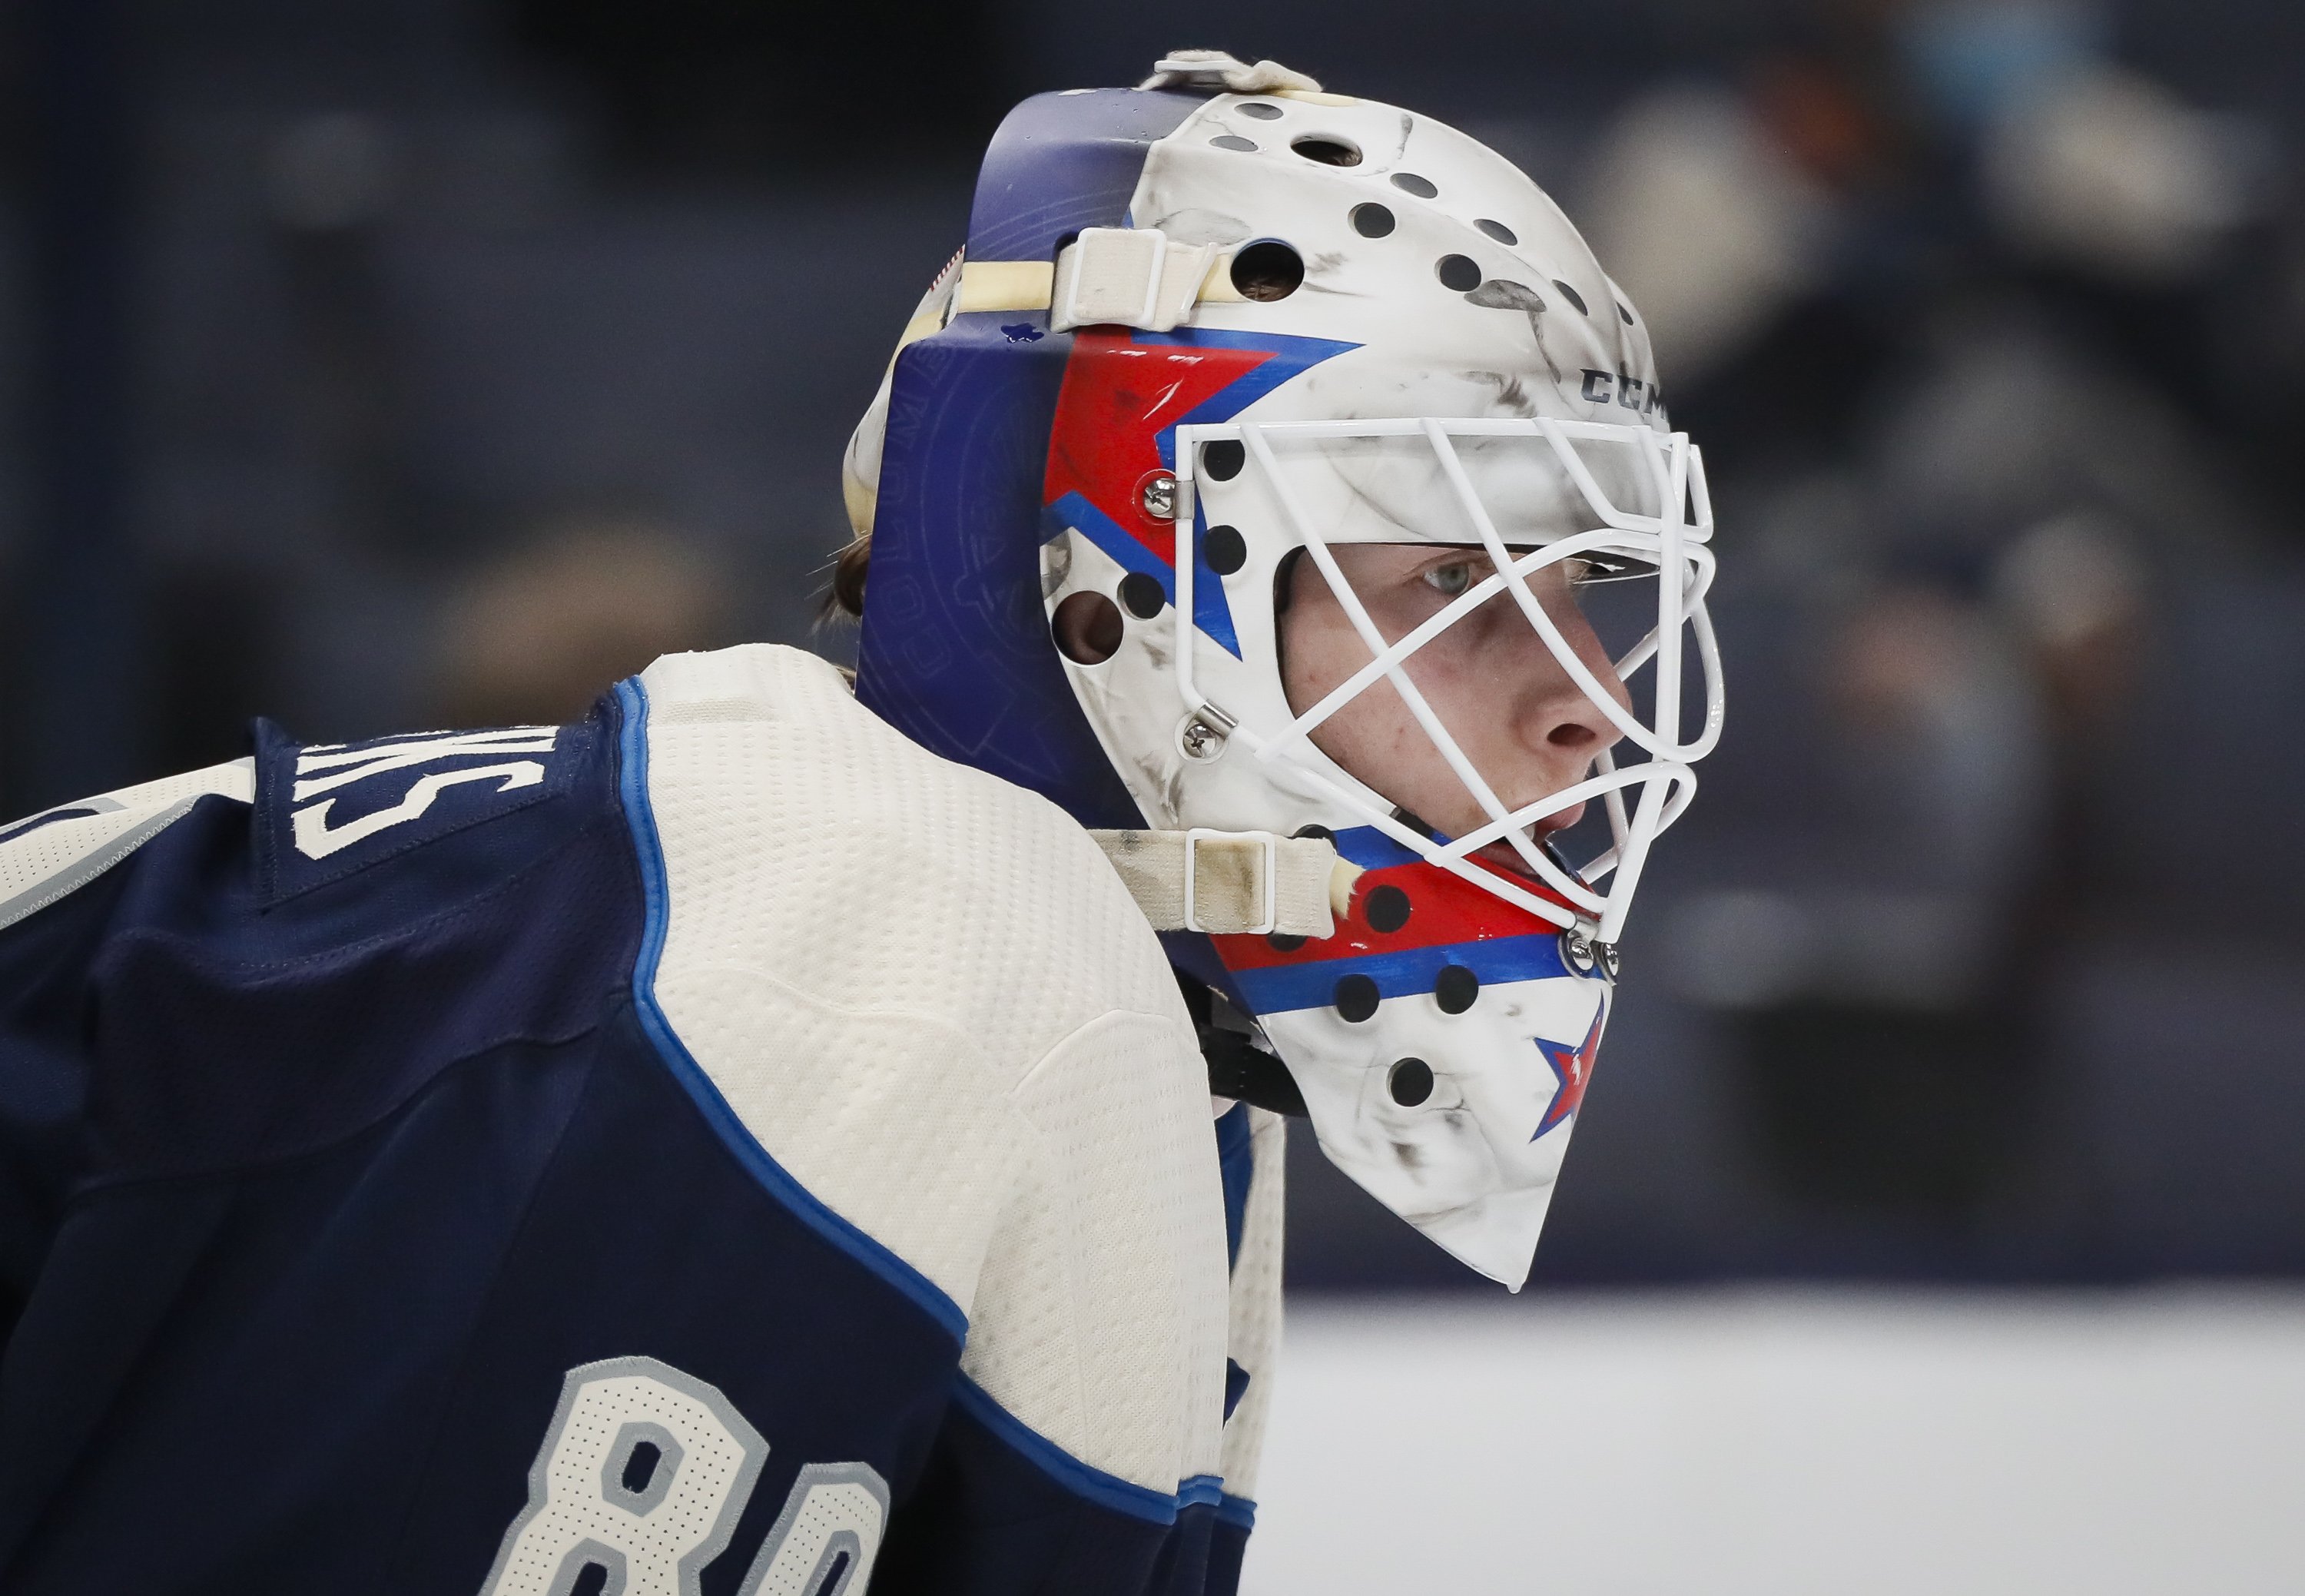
{"x":932,"y":1003}
{"x":60,"y":851}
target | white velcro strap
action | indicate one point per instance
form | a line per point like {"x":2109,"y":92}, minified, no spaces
{"x":1232,"y":882}
{"x":1133,"y":277}
{"x":1214,"y":69}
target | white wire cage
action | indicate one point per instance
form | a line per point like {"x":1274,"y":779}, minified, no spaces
{"x":1670,"y":534}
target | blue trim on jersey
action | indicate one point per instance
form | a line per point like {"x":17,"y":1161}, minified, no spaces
{"x":1084,"y":1479}
{"x":1403,"y":973}
{"x":1236,"y":1168}
{"x":1094,"y":1484}
{"x":1238,"y":1511}
{"x":631,"y":784}
{"x":1201,"y":1490}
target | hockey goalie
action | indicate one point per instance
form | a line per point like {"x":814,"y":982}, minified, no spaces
{"x":780,"y":1135}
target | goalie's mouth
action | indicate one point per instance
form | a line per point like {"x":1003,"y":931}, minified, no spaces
{"x":1501,"y":854}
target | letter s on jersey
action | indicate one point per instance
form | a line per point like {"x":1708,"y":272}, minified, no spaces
{"x":640,"y":1483}
{"x":326,"y":766}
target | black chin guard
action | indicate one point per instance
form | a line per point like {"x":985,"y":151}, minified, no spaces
{"x":1241,"y":1069}
{"x":1238,"y":1069}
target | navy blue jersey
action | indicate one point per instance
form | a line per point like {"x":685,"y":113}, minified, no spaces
{"x":711,"y":1148}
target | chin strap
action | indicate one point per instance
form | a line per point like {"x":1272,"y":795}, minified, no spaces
{"x":1241,"y":1069}
{"x":1232,"y":883}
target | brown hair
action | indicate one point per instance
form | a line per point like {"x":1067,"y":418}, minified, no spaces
{"x":842,"y":598}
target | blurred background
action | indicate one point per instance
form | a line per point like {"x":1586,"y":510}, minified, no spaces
{"x":377,"y":364}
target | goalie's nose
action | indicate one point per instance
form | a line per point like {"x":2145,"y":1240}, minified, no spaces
{"x":1557,"y":730}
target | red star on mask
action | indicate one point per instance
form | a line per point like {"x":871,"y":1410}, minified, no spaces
{"x":1573,"y":1066}
{"x":1124,"y":394}
{"x":1121,"y":397}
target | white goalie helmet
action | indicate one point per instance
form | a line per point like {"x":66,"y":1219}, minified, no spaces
{"x":1324,"y":323}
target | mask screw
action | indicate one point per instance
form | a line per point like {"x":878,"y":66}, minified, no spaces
{"x":1160,"y":498}
{"x":1580,"y":955}
{"x":1202,"y":735}
{"x":1606,"y":953}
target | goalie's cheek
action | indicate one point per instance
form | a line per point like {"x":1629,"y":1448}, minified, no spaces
{"x":1374,"y":735}
{"x":1512,"y":705}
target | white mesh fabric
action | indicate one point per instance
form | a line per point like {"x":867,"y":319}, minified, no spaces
{"x":1099,"y":1310}
{"x":929,"y":999}
{"x":42,"y":864}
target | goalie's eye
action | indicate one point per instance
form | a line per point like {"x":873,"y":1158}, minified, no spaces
{"x":1450,"y":580}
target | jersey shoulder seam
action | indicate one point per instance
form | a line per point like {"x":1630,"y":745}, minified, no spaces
{"x":632,"y":787}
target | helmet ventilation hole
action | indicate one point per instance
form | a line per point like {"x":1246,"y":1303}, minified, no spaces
{"x":1262,"y":109}
{"x":1087,"y":628}
{"x":1572,"y":297}
{"x":1387,"y":908}
{"x":1411,"y":1082}
{"x":1224,"y":459}
{"x":1497,"y":230}
{"x":1356,"y":998}
{"x":1455,"y":988}
{"x":1626,"y":314}
{"x":1372,"y":220}
{"x":1225,"y":550}
{"x":1267,"y":271}
{"x":1234,"y":142}
{"x":1459,"y":272}
{"x":1409,"y":183}
{"x":1329,"y":152}
{"x":1142,"y":595}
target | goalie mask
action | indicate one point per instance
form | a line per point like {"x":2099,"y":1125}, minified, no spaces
{"x":1278,"y":473}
